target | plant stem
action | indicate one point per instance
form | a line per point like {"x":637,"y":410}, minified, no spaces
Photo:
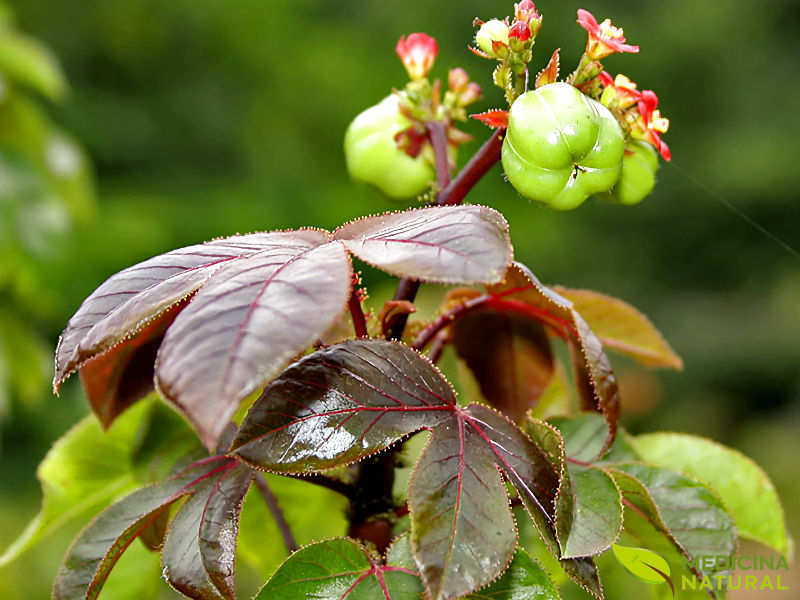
{"x":427,"y":334}
{"x":437,"y":134}
{"x":357,"y":313}
{"x":437,"y":348}
{"x":274,"y":507}
{"x":340,"y":487}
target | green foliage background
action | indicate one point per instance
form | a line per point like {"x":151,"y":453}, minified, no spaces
{"x":205,"y":118}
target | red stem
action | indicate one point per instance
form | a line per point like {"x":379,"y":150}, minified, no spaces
{"x":357,"y":312}
{"x":426,"y":335}
{"x":275,"y":508}
{"x":437,"y":348}
{"x":483,"y":160}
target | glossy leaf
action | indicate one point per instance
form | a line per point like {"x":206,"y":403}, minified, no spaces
{"x":346,"y":402}
{"x":622,"y":327}
{"x":340,"y":569}
{"x":521,"y":291}
{"x":584,"y":436}
{"x":463,"y":532}
{"x":509,"y":355}
{"x":244,"y":325}
{"x":746,"y":490}
{"x":85,"y":469}
{"x":524,"y":579}
{"x":94,"y":553}
{"x":684,"y":510}
{"x":198,"y":554}
{"x":445,"y":244}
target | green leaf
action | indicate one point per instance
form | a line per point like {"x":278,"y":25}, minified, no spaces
{"x":199,"y":551}
{"x":642,"y":563}
{"x":85,"y":469}
{"x":687,"y":512}
{"x":337,"y":569}
{"x":744,"y":487}
{"x":585,"y":435}
{"x":524,"y":579}
{"x":25,"y":60}
{"x":621,"y":327}
{"x":96,"y":550}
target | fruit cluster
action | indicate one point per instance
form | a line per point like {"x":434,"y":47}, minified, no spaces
{"x":564,"y":140}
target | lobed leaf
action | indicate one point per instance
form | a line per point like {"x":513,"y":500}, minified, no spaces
{"x":96,"y":550}
{"x":746,"y":490}
{"x":442,"y":244}
{"x":687,"y":512}
{"x":622,"y":327}
{"x":509,"y":355}
{"x":346,"y":402}
{"x":340,"y":569}
{"x":198,"y":557}
{"x":522,"y":292}
{"x":243,"y":326}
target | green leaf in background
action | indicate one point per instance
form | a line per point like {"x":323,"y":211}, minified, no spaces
{"x":524,"y":579}
{"x":642,"y":563}
{"x":26,"y":61}
{"x":687,"y":512}
{"x":744,"y":487}
{"x":622,"y":327}
{"x":340,"y":568}
{"x":85,"y":469}
{"x":26,"y":361}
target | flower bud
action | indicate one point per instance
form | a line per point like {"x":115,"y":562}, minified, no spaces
{"x":491,"y":32}
{"x":519,"y":31}
{"x":417,"y":51}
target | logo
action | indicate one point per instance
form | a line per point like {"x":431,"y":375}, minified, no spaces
{"x":644,"y":564}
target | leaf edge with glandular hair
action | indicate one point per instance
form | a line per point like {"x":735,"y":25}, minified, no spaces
{"x":642,"y":341}
{"x":255,"y":344}
{"x":485,"y":229}
{"x":695,"y":456}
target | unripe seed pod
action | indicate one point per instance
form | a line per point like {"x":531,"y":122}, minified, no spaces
{"x":561,"y":146}
{"x":638,"y":177}
{"x":491,"y":31}
{"x":373,"y":157}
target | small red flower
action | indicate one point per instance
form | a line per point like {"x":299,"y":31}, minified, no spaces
{"x":624,"y":90}
{"x":525,"y":11}
{"x":417,"y":51}
{"x":520,"y":30}
{"x":651,"y":124}
{"x":604,"y":38}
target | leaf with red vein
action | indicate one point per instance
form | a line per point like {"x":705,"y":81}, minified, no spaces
{"x":597,"y":385}
{"x":198,"y":554}
{"x":96,"y":550}
{"x":442,"y":244}
{"x":243,"y":326}
{"x":463,"y":532}
{"x":346,"y":402}
{"x":340,"y":569}
{"x":129,"y":300}
{"x":509,"y":355}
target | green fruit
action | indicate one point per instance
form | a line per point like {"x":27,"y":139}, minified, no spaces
{"x":561,"y":146}
{"x":638,"y":174}
{"x":373,"y":156}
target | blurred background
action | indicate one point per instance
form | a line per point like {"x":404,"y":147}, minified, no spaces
{"x":201,"y":118}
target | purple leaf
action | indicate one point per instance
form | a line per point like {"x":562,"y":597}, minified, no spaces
{"x":243,"y":326}
{"x":199,"y":551}
{"x":96,"y":550}
{"x":349,"y":401}
{"x":521,"y":291}
{"x":444,"y":244}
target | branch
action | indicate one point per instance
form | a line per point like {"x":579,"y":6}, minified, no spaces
{"x":274,"y":507}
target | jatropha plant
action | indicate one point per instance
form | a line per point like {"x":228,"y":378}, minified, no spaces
{"x":213,"y":327}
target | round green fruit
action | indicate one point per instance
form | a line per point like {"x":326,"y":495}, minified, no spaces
{"x":561,"y":146}
{"x":373,"y":156}
{"x":638,"y":177}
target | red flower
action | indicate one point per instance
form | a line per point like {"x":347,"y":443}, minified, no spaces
{"x":604,"y":38}
{"x":622,"y":90}
{"x":417,"y":51}
{"x":651,"y":124}
{"x":525,"y":11}
{"x":520,"y":30}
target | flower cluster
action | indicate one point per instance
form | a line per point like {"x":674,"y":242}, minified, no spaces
{"x":604,"y":38}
